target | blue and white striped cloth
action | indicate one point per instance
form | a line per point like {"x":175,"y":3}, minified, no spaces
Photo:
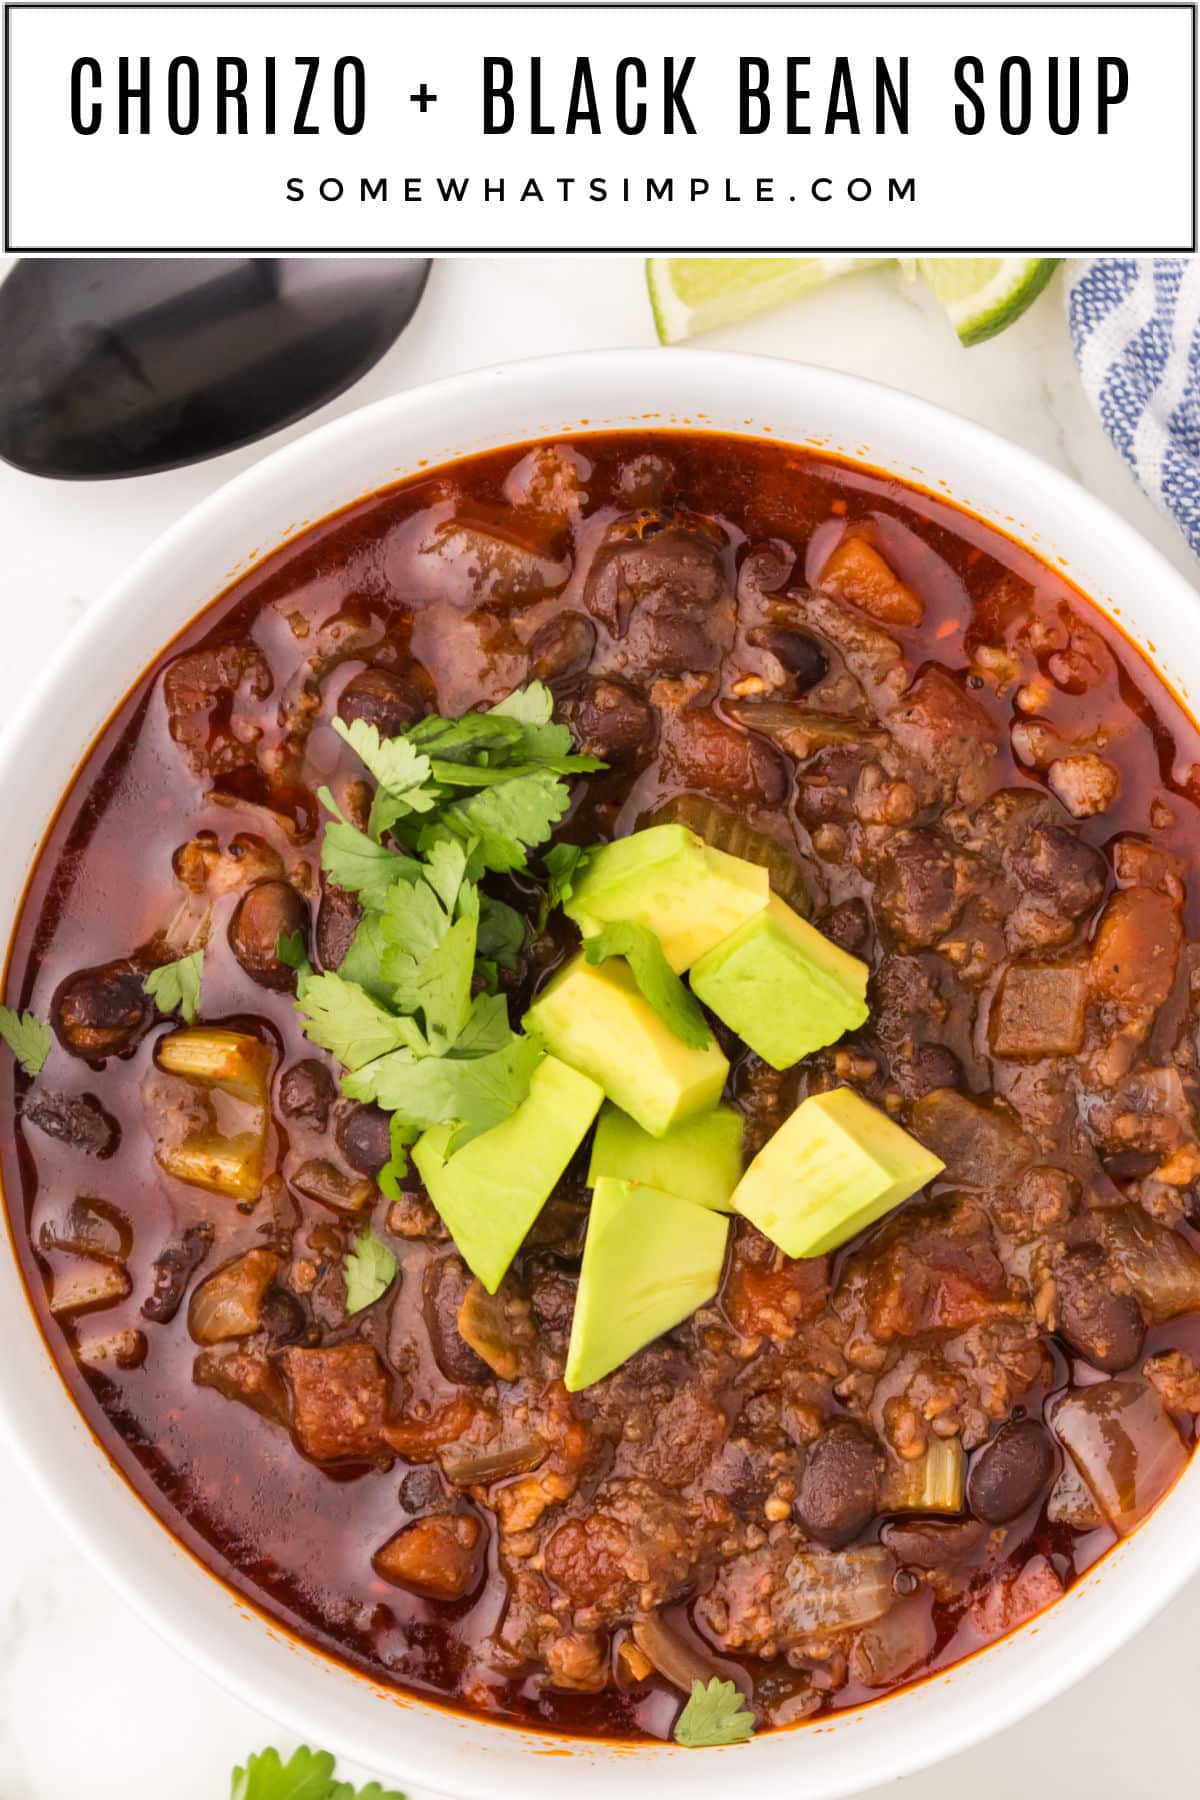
{"x":1135,"y":325}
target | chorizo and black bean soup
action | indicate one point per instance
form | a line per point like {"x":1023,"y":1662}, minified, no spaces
{"x":602,"y":1109}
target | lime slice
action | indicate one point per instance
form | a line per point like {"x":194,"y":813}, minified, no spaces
{"x":691,"y":294}
{"x":983,"y":295}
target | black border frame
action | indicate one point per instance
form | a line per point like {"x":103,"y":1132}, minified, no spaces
{"x":12,"y":6}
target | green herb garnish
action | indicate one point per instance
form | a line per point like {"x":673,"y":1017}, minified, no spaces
{"x":412,"y":1013}
{"x":175,"y":986}
{"x":370,"y":1269}
{"x":660,"y":985}
{"x":289,"y":948}
{"x":307,"y":1775}
{"x":475,"y":1092}
{"x":343,"y":1019}
{"x":27,"y":1036}
{"x":714,"y":1715}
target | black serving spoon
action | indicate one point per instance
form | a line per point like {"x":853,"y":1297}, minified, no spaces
{"x":127,"y":365}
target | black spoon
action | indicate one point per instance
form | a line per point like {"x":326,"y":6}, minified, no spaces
{"x":124,"y":366}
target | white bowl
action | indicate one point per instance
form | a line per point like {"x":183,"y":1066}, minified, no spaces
{"x":400,"y":1736}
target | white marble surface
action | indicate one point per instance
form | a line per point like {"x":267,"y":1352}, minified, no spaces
{"x":90,"y":1702}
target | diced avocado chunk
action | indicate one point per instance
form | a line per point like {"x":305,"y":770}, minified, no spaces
{"x":596,"y":1019}
{"x":649,"y":1260}
{"x":782,"y":986}
{"x":833,"y":1168}
{"x":489,"y":1193}
{"x":699,"y":1160}
{"x":668,"y":879}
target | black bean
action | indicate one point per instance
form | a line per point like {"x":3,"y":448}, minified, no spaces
{"x":101,"y":1012}
{"x":840,"y":1485}
{"x":389,"y":702}
{"x":613,"y":722}
{"x":266,"y":912}
{"x":1011,"y":1472}
{"x":561,"y":650}
{"x":444,"y":1288}
{"x":75,"y":1119}
{"x":800,"y":654}
{"x":364,"y":1138}
{"x":282,"y":1316}
{"x":337,"y":922}
{"x":306,"y":1092}
{"x":173,"y":1269}
{"x":1103,"y":1326}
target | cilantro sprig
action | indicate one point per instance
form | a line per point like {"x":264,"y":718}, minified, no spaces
{"x":675,"y":1004}
{"x":412,"y":1012}
{"x":175,"y":986}
{"x":715,"y":1714}
{"x":369,"y":1269}
{"x":27,"y":1036}
{"x":307,"y":1775}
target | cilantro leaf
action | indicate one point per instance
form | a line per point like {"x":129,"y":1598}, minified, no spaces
{"x":307,"y":1775}
{"x":369,"y":1269}
{"x":714,"y":1715}
{"x":564,"y":864}
{"x":176,"y":985}
{"x":530,"y":705}
{"x":402,"y":1133}
{"x":439,"y":987}
{"x":486,"y":1029}
{"x":27,"y":1036}
{"x":501,"y":932}
{"x":675,"y":1004}
{"x":290,"y":950}
{"x":403,"y":774}
{"x":474,"y":1092}
{"x":542,"y":741}
{"x":458,"y":740}
{"x":355,"y":862}
{"x":363,"y":961}
{"x":445,"y":870}
{"x":507,"y":818}
{"x":344,"y":1019}
{"x":413,"y":924}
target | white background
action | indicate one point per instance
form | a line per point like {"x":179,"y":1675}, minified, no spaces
{"x":92,"y":1707}
{"x":1128,"y":189}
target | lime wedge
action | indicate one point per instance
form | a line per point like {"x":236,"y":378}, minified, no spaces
{"x":691,"y":294}
{"x":983,"y":295}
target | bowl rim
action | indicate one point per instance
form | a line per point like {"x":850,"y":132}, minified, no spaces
{"x":958,"y":1729}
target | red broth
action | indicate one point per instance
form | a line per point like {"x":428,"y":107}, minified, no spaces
{"x":693,"y":1480}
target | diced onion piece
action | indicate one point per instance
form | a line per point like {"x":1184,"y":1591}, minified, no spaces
{"x":233,"y":1061}
{"x":229,"y":1303}
{"x":677,"y":1660}
{"x":1124,"y":1445}
{"x":931,"y":1483}
{"x":221,"y":1165}
{"x":87,"y":1286}
{"x":91,"y":1228}
{"x":472,"y":1468}
{"x":122,"y":1349}
{"x":832,"y":1591}
{"x":324,"y":1181}
{"x":1160,"y":1266}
